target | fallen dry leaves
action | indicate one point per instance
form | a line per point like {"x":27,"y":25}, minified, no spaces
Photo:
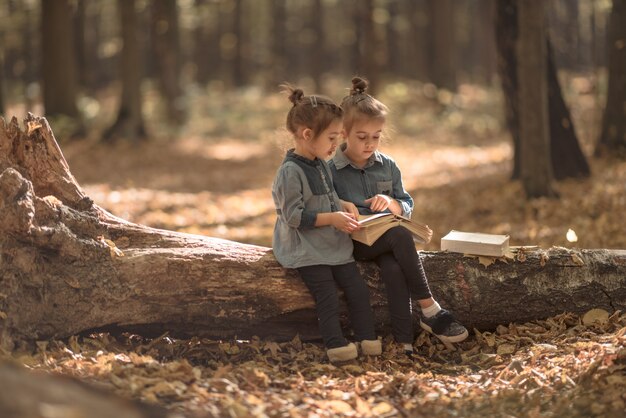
{"x":562,"y":366}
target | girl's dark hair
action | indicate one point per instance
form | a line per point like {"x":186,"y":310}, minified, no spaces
{"x":360,"y":105}
{"x":314,"y":112}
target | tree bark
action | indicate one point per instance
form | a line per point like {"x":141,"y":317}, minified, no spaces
{"x":443,"y":59}
{"x":567,"y":158}
{"x":536,"y":169}
{"x":1,"y":80}
{"x":166,"y":44}
{"x":613,"y":136}
{"x":68,"y":266}
{"x":58,"y":59}
{"x":129,"y":123}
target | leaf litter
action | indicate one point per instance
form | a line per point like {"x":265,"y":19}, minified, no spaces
{"x":566,"y":365}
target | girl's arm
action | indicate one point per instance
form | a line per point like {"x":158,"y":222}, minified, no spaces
{"x":289,"y":201}
{"x":402,"y":197}
{"x":343,"y":221}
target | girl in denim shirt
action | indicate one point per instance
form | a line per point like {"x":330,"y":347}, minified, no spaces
{"x":312,"y":227}
{"x":372,"y":181}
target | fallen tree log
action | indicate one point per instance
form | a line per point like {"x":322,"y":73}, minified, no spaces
{"x":69,"y":266}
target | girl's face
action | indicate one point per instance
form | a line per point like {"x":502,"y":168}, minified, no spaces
{"x":324,"y":145}
{"x":363,"y":139}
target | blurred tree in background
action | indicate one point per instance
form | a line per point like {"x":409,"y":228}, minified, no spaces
{"x":613,"y":136}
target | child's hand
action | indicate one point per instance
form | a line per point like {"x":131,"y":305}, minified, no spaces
{"x":344,"y":222}
{"x":379,"y":203}
{"x":350,"y":208}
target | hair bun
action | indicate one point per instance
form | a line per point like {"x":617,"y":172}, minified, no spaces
{"x":359,"y":85}
{"x":296,"y":95}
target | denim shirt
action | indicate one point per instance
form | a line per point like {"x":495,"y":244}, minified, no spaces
{"x":302,"y":189}
{"x":380,"y":175}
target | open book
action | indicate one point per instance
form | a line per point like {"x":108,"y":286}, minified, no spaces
{"x":476,"y":243}
{"x":371,"y":227}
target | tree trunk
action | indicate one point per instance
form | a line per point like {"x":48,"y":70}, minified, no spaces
{"x":277,"y":68}
{"x":239,"y":58}
{"x":166,"y":44}
{"x":1,"y":81}
{"x":318,"y":62}
{"x":418,"y":46}
{"x":536,"y":168}
{"x":567,"y":159}
{"x":58,"y":60}
{"x":367,"y":48}
{"x":613,"y":136}
{"x":443,"y":65}
{"x":506,"y":29}
{"x":69,"y":266}
{"x":129,"y":123}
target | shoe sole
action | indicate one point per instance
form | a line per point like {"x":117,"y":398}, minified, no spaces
{"x":444,"y":338}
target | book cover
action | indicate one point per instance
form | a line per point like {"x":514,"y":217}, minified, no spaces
{"x":475,"y":243}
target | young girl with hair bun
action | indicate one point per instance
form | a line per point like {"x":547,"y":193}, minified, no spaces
{"x":312,"y":227}
{"x":373,"y":182}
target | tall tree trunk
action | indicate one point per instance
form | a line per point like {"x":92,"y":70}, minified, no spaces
{"x":69,"y":266}
{"x":166,"y":44}
{"x":1,"y":80}
{"x":317,"y":56}
{"x":206,"y":42}
{"x":278,"y":65}
{"x":367,"y":45}
{"x":443,"y":65}
{"x":567,"y":158}
{"x":536,"y":167}
{"x":58,"y":59}
{"x":613,"y":136}
{"x":393,"y":40}
{"x":506,"y":32}
{"x":129,"y":123}
{"x":483,"y":41}
{"x":419,"y":44}
{"x":239,"y":58}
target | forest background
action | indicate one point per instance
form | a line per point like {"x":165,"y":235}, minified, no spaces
{"x":169,"y":115}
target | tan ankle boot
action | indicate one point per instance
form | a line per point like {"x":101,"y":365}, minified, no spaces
{"x":345,"y":353}
{"x":371,"y":347}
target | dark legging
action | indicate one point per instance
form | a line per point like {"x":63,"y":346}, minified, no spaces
{"x":403,"y":274}
{"x":322,"y":281}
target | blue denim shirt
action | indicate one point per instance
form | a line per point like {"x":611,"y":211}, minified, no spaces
{"x":302,"y":189}
{"x":380,"y":175}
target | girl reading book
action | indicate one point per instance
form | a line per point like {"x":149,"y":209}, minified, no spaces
{"x":312,"y":227}
{"x":373,"y":182}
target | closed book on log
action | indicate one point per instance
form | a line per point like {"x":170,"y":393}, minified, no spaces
{"x":371,"y":227}
{"x":475,"y":243}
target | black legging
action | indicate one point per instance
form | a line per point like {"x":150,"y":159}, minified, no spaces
{"x":403,"y":274}
{"x":322,"y":281}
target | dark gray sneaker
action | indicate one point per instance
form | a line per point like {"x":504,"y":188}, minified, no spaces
{"x":443,"y":326}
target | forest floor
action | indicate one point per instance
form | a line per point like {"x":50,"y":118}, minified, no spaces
{"x":214,"y":177}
